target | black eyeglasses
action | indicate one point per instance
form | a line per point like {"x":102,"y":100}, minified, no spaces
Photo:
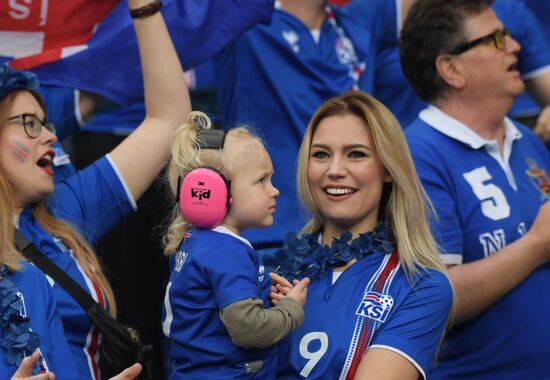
{"x":32,"y":124}
{"x":498,"y":37}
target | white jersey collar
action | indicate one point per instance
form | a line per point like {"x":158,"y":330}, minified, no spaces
{"x":456,"y":130}
{"x":225,"y":230}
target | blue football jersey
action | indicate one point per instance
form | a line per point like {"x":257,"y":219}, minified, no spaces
{"x":211,"y":270}
{"x":92,"y":201}
{"x":484,"y":201}
{"x":371,"y":304}
{"x":279,"y":75}
{"x":40,"y":306}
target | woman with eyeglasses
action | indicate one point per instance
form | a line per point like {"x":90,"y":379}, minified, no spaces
{"x":33,"y":343}
{"x":64,"y":221}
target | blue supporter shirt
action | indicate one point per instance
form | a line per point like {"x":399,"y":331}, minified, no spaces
{"x":275,"y":76}
{"x":484,"y":201}
{"x":211,"y":270}
{"x":92,"y":202}
{"x":39,"y":304}
{"x":340,"y":315}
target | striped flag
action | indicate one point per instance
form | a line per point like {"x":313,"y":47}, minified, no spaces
{"x":91,"y":44}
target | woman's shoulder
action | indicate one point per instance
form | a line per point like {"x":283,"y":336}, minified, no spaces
{"x":430,"y":277}
{"x":432,"y":284}
{"x":31,"y":282}
{"x":28,"y":273}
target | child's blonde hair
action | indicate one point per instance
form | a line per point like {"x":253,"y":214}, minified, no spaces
{"x":187,"y":155}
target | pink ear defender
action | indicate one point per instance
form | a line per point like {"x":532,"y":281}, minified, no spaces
{"x":204,"y":197}
{"x":204,"y":193}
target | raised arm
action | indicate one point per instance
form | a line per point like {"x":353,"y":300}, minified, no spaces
{"x":141,"y":156}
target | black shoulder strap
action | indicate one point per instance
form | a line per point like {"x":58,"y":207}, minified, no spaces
{"x":29,"y":250}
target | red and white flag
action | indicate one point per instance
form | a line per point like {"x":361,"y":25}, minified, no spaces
{"x":35,"y":32}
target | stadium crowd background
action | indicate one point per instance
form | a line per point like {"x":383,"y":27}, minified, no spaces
{"x":95,"y":109}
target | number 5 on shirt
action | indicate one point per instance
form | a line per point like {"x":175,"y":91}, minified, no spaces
{"x":493,"y":201}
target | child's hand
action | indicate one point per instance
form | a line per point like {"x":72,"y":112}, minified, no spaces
{"x":299,"y":292}
{"x":280,"y":286}
{"x":279,"y":280}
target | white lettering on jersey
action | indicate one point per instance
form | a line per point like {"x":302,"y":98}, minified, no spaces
{"x":181,"y":257}
{"x":522,"y":229}
{"x":494,"y":204}
{"x":492,"y":242}
{"x":166,"y":324}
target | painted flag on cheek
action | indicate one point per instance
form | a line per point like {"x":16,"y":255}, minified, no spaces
{"x":91,"y":45}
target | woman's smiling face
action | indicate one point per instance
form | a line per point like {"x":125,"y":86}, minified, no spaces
{"x":345,"y":174}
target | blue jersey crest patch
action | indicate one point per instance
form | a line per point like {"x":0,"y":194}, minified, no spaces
{"x":375,"y":306}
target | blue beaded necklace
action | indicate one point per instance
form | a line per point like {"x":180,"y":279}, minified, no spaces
{"x":303,"y":256}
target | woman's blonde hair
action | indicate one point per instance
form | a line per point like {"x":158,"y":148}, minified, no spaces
{"x":82,"y":251}
{"x":187,"y":155}
{"x":404,"y":204}
{"x":9,"y":256}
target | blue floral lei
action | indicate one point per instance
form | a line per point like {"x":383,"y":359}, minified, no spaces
{"x":17,"y":338}
{"x":304,"y":257}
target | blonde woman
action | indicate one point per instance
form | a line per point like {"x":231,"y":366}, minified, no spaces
{"x":63,"y":222}
{"x":379,"y":297}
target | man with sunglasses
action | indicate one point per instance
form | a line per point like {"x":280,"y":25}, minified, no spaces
{"x":488,"y":180}
{"x":395,"y":92}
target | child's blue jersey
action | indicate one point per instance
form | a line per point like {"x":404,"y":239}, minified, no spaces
{"x":92,"y":202}
{"x":40,"y":306}
{"x":211,"y":270}
{"x":371,"y":304}
{"x":484,"y":201}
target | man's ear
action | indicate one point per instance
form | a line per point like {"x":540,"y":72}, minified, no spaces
{"x":450,"y":69}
